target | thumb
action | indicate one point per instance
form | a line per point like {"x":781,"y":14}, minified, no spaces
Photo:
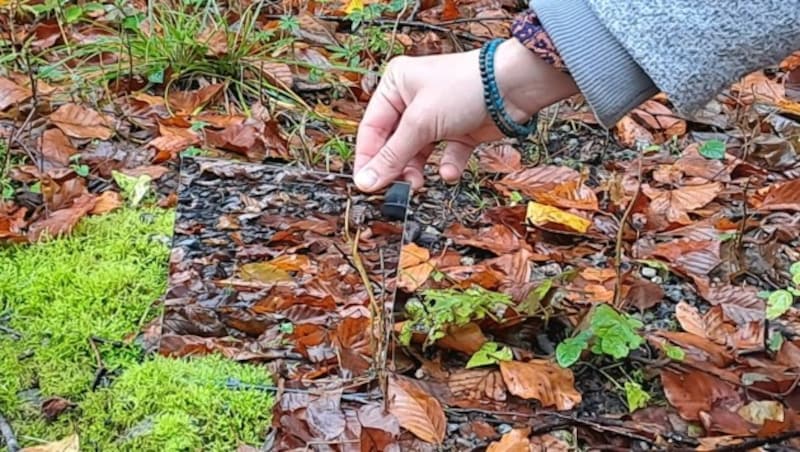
{"x":409,"y":138}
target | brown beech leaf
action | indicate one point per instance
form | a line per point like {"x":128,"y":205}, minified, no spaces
{"x":630,"y":133}
{"x":154,"y":171}
{"x":81,"y":122}
{"x":782,"y":196}
{"x":760,"y":411}
{"x":478,"y":384}
{"x":11,"y":93}
{"x":56,"y":147}
{"x":660,"y":119}
{"x":415,"y":267}
{"x":378,"y":428}
{"x":692,"y":163}
{"x":465,"y":339}
{"x":186,"y":102}
{"x":644,"y":294}
{"x":541,"y":380}
{"x":450,"y":10}
{"x":416,"y":410}
{"x":54,"y":406}
{"x":690,"y":319}
{"x":571,"y":194}
{"x":68,"y":444}
{"x":500,"y":159}
{"x":109,"y":200}
{"x":61,"y":221}
{"x":739,"y":303}
{"x":675,"y":205}
{"x":694,"y":391}
{"x":242,"y":139}
{"x":325,"y":417}
{"x":691,"y":257}
{"x":537,"y":179}
{"x":514,"y":441}
{"x":498,"y":238}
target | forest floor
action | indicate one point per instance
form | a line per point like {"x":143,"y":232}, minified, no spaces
{"x":161,"y":288}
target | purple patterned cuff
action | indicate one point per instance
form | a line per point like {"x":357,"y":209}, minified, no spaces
{"x":529,"y":31}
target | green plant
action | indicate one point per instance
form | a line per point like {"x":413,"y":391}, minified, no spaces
{"x":134,"y":189}
{"x":781,"y":300}
{"x":635,"y":396}
{"x":490,"y":353}
{"x":609,"y":333}
{"x":441,"y":309}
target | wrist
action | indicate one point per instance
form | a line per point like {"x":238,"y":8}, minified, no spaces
{"x":526,"y":82}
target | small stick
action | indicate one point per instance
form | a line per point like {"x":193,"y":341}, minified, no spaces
{"x":620,"y":235}
{"x":8,"y":435}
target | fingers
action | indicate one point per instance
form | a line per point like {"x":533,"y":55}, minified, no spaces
{"x":410,"y":137}
{"x":455,"y":158}
{"x":380,"y":119}
{"x":414,"y":172}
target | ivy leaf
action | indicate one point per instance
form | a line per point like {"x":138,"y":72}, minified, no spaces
{"x":713,"y":149}
{"x":490,"y":353}
{"x":636,"y":396}
{"x":569,"y":351}
{"x":778,"y":303}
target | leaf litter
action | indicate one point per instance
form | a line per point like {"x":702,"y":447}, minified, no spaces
{"x":693,"y":237}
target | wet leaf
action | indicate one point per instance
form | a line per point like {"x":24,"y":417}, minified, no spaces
{"x":325,"y":417}
{"x":543,"y":381}
{"x":675,"y":205}
{"x":263,"y":272}
{"x":478,"y":384}
{"x":498,"y":238}
{"x":694,"y":391}
{"x":378,"y":428}
{"x":68,"y":444}
{"x":537,"y":179}
{"x":782,"y":196}
{"x":56,"y":147}
{"x":62,"y":221}
{"x":54,"y":406}
{"x":81,"y":122}
{"x":540,"y":214}
{"x":466,"y":339}
{"x":416,"y":410}
{"x":187,"y":102}
{"x":514,"y":441}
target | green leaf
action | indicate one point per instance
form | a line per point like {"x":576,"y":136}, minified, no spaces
{"x":490,"y":353}
{"x":36,"y":188}
{"x":132,"y":23}
{"x":713,"y":149}
{"x":156,"y":75}
{"x":8,"y":191}
{"x":636,"y":396}
{"x":286,"y":328}
{"x":778,"y":303}
{"x":134,"y":189}
{"x":81,"y":170}
{"x":569,"y":351}
{"x":515,"y":197}
{"x":73,"y":13}
{"x":795,"y":269}
{"x":533,"y":302}
{"x":775,"y":341}
{"x":674,"y":353}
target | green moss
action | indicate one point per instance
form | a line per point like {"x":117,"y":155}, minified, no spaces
{"x":167,"y":404}
{"x":100,"y":282}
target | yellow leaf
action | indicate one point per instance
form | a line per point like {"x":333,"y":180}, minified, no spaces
{"x":539,"y":214}
{"x":263,"y":272}
{"x":354,"y":5}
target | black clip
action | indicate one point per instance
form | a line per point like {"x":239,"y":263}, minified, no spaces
{"x":395,"y":201}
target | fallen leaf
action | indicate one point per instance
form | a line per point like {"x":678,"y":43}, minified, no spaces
{"x":325,"y":417}
{"x":644,"y":294}
{"x":690,"y":319}
{"x":450,"y":10}
{"x":465,"y":339}
{"x":514,"y":441}
{"x":694,"y":391}
{"x":536,"y":179}
{"x":11,"y":93}
{"x":675,"y":204}
{"x":497,"y":238}
{"x":572,"y":194}
{"x":500,"y":159}
{"x":759,"y":411}
{"x":477,"y":384}
{"x":263,"y":272}
{"x":353,"y":5}
{"x":187,"y":102}
{"x":81,"y":122}
{"x":378,"y":428}
{"x":153,"y":171}
{"x":62,"y":221}
{"x":630,"y":134}
{"x":108,"y":201}
{"x":541,"y":380}
{"x":660,"y":119}
{"x":54,"y":406}
{"x":68,"y":444}
{"x":415,"y":267}
{"x":540,"y":214}
{"x":416,"y":410}
{"x":782,"y":196}
{"x":56,"y":147}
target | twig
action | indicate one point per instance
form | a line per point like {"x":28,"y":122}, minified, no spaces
{"x":620,"y":236}
{"x":8,"y":435}
{"x":757,"y":442}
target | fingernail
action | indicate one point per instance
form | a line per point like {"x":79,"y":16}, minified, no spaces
{"x":366,"y":179}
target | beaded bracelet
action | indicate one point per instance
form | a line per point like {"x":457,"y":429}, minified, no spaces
{"x":494,"y":101}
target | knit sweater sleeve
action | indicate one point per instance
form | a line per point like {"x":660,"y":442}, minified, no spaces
{"x":620,"y":53}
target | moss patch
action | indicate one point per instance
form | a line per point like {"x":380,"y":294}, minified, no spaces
{"x":102,"y":282}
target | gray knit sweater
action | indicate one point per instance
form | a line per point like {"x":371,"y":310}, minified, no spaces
{"x":622,"y":52}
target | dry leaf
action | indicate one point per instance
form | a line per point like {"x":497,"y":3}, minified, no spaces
{"x":541,"y":380}
{"x":675,"y":205}
{"x":571,"y":194}
{"x":501,"y":158}
{"x":690,"y":319}
{"x":478,"y":384}
{"x":11,"y":94}
{"x":68,"y":444}
{"x":416,"y":410}
{"x":465,"y":339}
{"x":415,"y":267}
{"x":782,"y":196}
{"x":695,"y":391}
{"x":61,"y":221}
{"x":498,"y":238}
{"x":759,"y":411}
{"x":540,"y":215}
{"x":186,"y":102}
{"x":514,"y":441}
{"x":109,"y":200}
{"x":450,"y":10}
{"x":536,"y":179}
{"x":56,"y":147}
{"x":630,"y":134}
{"x":81,"y":122}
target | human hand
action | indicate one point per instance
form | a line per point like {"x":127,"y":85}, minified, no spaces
{"x":424,"y":100}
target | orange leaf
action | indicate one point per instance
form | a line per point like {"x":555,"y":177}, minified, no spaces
{"x":541,"y":380}
{"x":571,"y":194}
{"x":696,"y":391}
{"x":417,"y":411}
{"x":500,"y":159}
{"x":81,"y":122}
{"x":465,"y":339}
{"x":630,"y":133}
{"x":478,"y":384}
{"x":415,"y":267}
{"x":499,"y":239}
{"x":450,"y":11}
{"x":514,"y":441}
{"x":61,"y":221}
{"x":186,"y":102}
{"x":106,"y":202}
{"x":11,"y":93}
{"x":782,"y":196}
{"x":537,"y":179}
